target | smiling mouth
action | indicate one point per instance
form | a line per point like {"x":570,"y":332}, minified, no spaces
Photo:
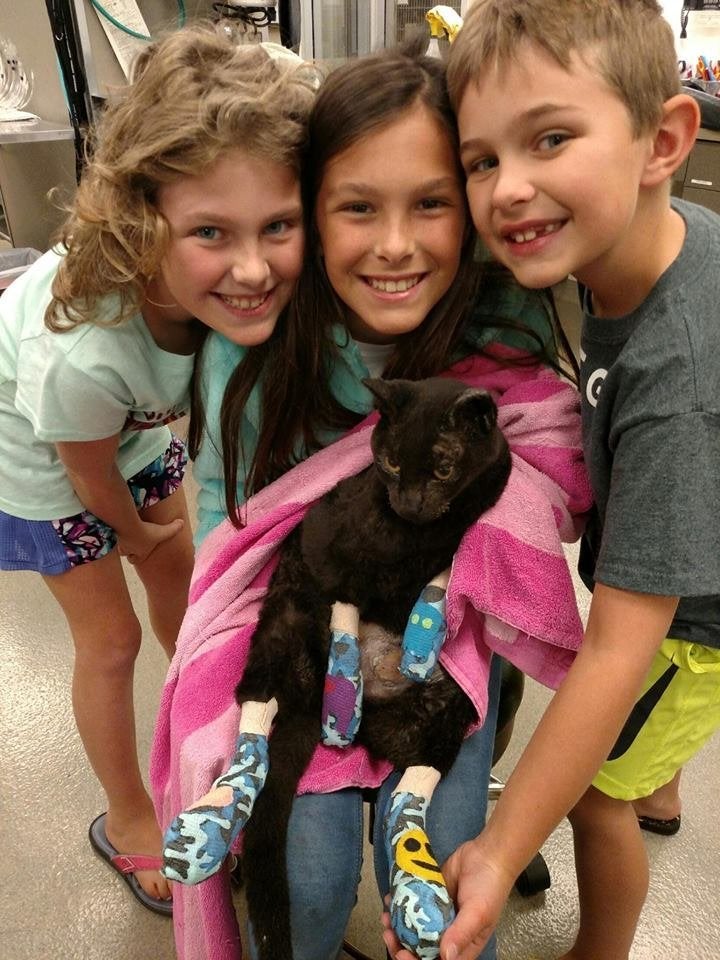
{"x":245,"y":303}
{"x":401,"y":285}
{"x":526,"y":236}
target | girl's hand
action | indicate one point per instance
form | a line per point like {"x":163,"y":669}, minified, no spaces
{"x":137,"y":548}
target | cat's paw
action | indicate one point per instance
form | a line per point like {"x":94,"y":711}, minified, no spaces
{"x":342,"y":696}
{"x":197,"y":842}
{"x":199,"y":839}
{"x":424,"y":634}
{"x":420,"y":913}
{"x":421,"y":908}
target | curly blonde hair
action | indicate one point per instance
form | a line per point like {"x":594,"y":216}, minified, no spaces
{"x":193,"y":95}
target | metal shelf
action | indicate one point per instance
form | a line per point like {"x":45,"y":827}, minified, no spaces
{"x":29,"y":131}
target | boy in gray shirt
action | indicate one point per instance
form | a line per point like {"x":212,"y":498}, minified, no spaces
{"x":571,"y":126}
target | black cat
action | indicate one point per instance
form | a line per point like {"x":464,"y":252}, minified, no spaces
{"x":374,"y":541}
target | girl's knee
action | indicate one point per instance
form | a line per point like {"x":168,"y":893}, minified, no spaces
{"x":166,"y":573}
{"x":110,"y":650}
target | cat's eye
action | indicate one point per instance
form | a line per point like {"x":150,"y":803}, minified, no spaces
{"x":443,"y":471}
{"x":390,"y":467}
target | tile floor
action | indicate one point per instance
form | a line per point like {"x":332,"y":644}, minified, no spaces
{"x":58,"y":899}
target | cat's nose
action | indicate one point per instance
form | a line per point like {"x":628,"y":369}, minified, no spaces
{"x":409,"y":503}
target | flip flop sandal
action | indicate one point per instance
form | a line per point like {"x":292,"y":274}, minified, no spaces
{"x":126,"y":864}
{"x":666,"y":828}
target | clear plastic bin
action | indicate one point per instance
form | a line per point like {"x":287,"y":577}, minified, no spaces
{"x":15,"y":261}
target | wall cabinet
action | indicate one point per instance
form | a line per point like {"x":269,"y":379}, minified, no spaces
{"x":698,"y":179}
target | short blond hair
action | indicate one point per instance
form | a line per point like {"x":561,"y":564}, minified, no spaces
{"x":193,"y":96}
{"x":628,"y":41}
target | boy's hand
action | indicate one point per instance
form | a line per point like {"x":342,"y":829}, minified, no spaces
{"x":479,"y":889}
{"x":137,"y":548}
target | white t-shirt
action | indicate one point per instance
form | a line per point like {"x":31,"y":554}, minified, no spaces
{"x":375,"y":356}
{"x":86,"y":383}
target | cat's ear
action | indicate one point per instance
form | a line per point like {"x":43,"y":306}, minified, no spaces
{"x":474,"y":408}
{"x":389,"y":394}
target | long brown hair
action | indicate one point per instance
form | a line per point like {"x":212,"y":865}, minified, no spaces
{"x":292,"y":369}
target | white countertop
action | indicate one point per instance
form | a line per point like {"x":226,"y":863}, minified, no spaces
{"x":28,"y":131}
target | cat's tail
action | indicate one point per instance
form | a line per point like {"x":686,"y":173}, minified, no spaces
{"x":292,"y":744}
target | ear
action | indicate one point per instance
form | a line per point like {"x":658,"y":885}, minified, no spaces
{"x":475,"y":408}
{"x":673,"y":140}
{"x":388,"y":394}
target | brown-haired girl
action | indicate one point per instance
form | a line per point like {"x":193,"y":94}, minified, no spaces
{"x":391,"y":286}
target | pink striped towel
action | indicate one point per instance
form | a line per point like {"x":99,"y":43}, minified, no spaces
{"x":510,"y":592}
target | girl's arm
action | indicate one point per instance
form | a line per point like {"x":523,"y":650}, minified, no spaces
{"x":572,"y":740}
{"x":92,"y":468}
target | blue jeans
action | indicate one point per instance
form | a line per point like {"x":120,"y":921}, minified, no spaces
{"x":324,"y":861}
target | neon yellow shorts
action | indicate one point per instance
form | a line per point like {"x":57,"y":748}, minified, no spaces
{"x":677,"y":712}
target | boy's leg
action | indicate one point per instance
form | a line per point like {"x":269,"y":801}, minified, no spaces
{"x":660,"y":811}
{"x":677,"y":712}
{"x":612,"y":874}
{"x":106,"y":634}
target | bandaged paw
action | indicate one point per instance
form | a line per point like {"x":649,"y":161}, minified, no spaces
{"x":424,"y":634}
{"x":199,"y":839}
{"x":420,"y":906}
{"x":342,"y":696}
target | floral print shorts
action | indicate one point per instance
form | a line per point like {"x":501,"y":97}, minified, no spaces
{"x":55,"y":546}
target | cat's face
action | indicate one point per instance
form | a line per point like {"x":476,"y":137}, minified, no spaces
{"x":434,"y":437}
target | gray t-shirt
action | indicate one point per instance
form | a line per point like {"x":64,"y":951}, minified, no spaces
{"x":650,"y":385}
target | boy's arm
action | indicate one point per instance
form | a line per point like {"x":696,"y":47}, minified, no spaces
{"x":572,"y":740}
{"x":91,"y":466}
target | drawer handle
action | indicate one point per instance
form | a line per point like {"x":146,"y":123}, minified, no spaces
{"x":701,"y":183}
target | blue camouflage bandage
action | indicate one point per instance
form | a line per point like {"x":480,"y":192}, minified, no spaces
{"x":199,"y":839}
{"x":420,"y":907}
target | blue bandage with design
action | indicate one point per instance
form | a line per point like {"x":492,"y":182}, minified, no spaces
{"x":424,"y":634}
{"x":199,"y":839}
{"x":420,"y":906}
{"x":342,"y":697}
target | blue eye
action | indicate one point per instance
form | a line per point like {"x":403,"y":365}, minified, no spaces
{"x":206,"y":233}
{"x":277,"y":227}
{"x":552,"y":140}
{"x":483,"y":165}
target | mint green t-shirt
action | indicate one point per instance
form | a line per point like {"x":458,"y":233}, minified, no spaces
{"x":86,"y":383}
